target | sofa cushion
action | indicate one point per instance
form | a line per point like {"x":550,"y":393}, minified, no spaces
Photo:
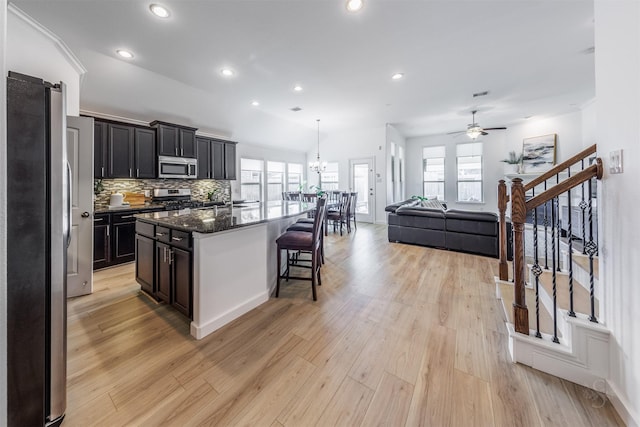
{"x":416,"y":236}
{"x":479,"y":223}
{"x":409,"y":202}
{"x":417,"y":217}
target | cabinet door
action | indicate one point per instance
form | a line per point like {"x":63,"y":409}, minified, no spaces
{"x":168,"y":142}
{"x":217,"y":159}
{"x":229,"y":161}
{"x":145,"y":153}
{"x":124,"y":242}
{"x":100,"y":149}
{"x":145,"y":263}
{"x":182,"y":283}
{"x":188,"y":146}
{"x":163,"y":272}
{"x":101,"y":244}
{"x":120,"y":151}
{"x":204,"y":158}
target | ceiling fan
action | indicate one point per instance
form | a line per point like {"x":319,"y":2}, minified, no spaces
{"x":474,"y":130}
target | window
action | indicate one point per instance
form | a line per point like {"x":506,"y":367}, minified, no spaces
{"x":275,"y":180}
{"x":401,"y":173}
{"x":393,"y":172}
{"x":329,"y":178}
{"x":433,"y":172}
{"x":469,"y":159}
{"x":251,"y":179}
{"x":294,"y":177}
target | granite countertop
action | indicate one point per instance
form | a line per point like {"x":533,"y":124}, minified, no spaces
{"x":105,"y":208}
{"x":214,"y":219}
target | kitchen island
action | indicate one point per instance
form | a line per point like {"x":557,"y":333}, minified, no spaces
{"x":212,"y":264}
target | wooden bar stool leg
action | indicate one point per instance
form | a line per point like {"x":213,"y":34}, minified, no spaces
{"x":314,"y":263}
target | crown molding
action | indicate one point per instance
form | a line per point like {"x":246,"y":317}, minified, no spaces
{"x":60,"y":45}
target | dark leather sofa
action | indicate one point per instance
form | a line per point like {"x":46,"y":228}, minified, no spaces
{"x":457,"y":230}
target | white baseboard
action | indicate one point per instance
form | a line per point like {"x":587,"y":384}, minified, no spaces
{"x":622,"y":406}
{"x":211,"y":325}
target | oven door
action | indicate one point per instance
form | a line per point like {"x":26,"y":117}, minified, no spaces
{"x":177,"y":167}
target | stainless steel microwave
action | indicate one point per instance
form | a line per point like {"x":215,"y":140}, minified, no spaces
{"x":177,"y":167}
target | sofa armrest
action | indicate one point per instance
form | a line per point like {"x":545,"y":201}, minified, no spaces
{"x":420,"y":211}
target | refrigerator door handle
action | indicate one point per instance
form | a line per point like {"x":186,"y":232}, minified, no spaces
{"x":69,"y":203}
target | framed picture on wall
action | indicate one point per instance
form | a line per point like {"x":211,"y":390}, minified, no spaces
{"x":539,"y":153}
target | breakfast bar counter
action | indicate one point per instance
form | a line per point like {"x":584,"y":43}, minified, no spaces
{"x":233,"y":262}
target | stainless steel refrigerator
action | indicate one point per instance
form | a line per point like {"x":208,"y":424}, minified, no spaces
{"x":38,"y":233}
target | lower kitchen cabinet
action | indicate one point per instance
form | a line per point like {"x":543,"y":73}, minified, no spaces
{"x":145,"y":271}
{"x":124,"y":239}
{"x":164,"y":270}
{"x":181,"y":263}
{"x":101,"y":241}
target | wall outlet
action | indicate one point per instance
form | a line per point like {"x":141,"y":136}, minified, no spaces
{"x":615,"y":161}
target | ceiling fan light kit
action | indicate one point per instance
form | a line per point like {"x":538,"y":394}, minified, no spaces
{"x":474,"y":130}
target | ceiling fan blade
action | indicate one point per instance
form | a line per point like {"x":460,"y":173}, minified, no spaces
{"x":455,"y":133}
{"x":484,"y":133}
{"x":501,"y":128}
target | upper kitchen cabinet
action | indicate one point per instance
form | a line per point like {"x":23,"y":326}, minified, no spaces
{"x":145,"y":153}
{"x":100,"y":149}
{"x":120,"y":151}
{"x":174,"y":140}
{"x":204,"y":157}
{"x":216,"y":159}
{"x":123,"y":151}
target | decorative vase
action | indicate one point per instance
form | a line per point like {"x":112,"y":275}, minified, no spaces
{"x":511,"y":168}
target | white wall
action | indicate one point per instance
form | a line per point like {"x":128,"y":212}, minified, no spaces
{"x":357,"y":144}
{"x":33,"y":50}
{"x":496,"y":146}
{"x":267,"y":154}
{"x":394,"y":140}
{"x":3,"y":215}
{"x":617,"y":42}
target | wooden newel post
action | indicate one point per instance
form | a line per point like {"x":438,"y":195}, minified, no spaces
{"x":518,"y":218}
{"x":503,"y":267}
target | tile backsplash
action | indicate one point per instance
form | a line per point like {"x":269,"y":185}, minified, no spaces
{"x":199,"y":187}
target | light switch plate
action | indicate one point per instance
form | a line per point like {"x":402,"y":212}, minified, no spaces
{"x":615,"y":161}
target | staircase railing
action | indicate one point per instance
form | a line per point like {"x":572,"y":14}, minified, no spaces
{"x":546,"y":203}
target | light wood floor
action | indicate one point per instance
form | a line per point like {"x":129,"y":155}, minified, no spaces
{"x":400,"y":335}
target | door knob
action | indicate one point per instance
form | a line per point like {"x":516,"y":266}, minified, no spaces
{"x":85,"y":215}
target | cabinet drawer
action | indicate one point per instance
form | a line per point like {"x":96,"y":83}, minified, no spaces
{"x":123,"y":217}
{"x":163,"y":234}
{"x":181,"y":239}
{"x":145,"y":229}
{"x":101,"y":219}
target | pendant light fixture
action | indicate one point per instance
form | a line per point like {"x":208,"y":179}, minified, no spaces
{"x":318,"y":166}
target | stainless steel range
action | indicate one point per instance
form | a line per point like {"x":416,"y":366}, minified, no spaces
{"x":175,"y":198}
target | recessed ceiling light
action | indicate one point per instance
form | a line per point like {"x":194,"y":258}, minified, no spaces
{"x":159,"y":11}
{"x":124,"y":53}
{"x":255,"y":103}
{"x":297,"y":88}
{"x":227,"y":72}
{"x":397,"y":76}
{"x":354,"y":5}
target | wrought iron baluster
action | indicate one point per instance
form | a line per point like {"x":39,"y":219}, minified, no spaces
{"x":546,"y":224}
{"x":554,"y":273}
{"x":536,"y":270}
{"x":558,"y":223}
{"x":592,"y":248}
{"x":583,"y":207}
{"x":570,"y":243}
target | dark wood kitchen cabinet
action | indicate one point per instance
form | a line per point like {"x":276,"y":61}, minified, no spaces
{"x":124,"y":237}
{"x":145,"y":263}
{"x":145,"y":158}
{"x":168,"y":254}
{"x":120,"y":151}
{"x":216,"y":159}
{"x":174,"y":140}
{"x":123,"y":151}
{"x":101,"y":241}
{"x":100,"y":149}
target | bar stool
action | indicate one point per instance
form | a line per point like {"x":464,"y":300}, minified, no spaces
{"x":302,"y":241}
{"x":306,"y":224}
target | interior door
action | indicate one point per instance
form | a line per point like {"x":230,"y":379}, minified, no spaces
{"x":79,"y":253}
{"x":362,"y":182}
